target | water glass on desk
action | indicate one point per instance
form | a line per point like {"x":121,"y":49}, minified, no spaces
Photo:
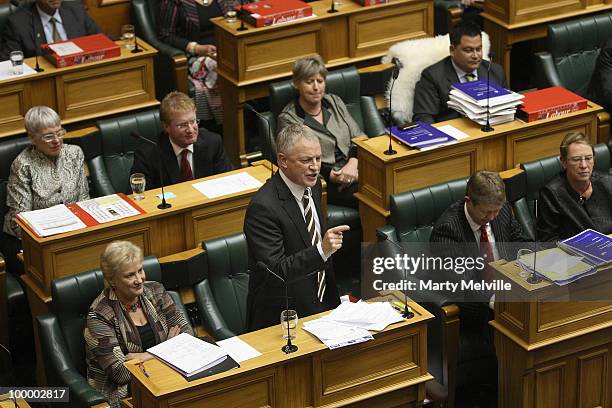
{"x":138,"y":183}
{"x":289,"y":318}
{"x":16,"y":58}
{"x":128,"y":36}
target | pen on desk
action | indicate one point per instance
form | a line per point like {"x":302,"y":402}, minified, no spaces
{"x":143,"y":369}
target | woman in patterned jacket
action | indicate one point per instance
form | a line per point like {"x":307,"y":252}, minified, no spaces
{"x":127,"y":318}
{"x":44,"y":174}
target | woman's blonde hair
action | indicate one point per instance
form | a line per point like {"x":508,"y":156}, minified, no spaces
{"x":117,"y":256}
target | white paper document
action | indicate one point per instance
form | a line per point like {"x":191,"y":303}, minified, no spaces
{"x":65,"y":48}
{"x":453,"y":131}
{"x":335,"y":335}
{"x":369,"y":316}
{"x":52,"y":220}
{"x":231,"y":184}
{"x":188,"y":354}
{"x":6,"y":70}
{"x":238,"y":349}
{"x":108,"y":208}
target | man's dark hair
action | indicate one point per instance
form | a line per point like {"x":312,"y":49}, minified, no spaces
{"x":468,"y":29}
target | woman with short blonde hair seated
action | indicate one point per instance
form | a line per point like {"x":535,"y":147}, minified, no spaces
{"x":127,"y":318}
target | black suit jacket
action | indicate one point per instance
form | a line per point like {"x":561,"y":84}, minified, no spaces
{"x":208,"y":158}
{"x":24,"y":30}
{"x":277,"y":235}
{"x":431,"y":92}
{"x":600,"y":87}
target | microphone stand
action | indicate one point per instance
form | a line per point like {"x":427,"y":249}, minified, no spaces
{"x":534,"y":279}
{"x":163,"y":205}
{"x":36,"y":43}
{"x":395,"y":74}
{"x":289,"y":347}
{"x":136,"y":49}
{"x":488,"y":127}
{"x":333,"y":7}
{"x":242,"y":26}
{"x":407,"y":314}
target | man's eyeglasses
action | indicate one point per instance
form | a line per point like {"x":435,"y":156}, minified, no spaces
{"x":50,"y":137}
{"x":578,"y":159}
{"x":185,"y":125}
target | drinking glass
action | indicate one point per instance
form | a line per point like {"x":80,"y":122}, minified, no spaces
{"x":16,"y":58}
{"x":527,"y":255}
{"x":289,"y":318}
{"x":128,"y":36}
{"x":138,"y":183}
{"x":230,"y":17}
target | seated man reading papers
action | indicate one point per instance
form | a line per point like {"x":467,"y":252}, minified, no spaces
{"x":284,"y":227}
{"x":464,"y":64}
{"x":187,"y":152}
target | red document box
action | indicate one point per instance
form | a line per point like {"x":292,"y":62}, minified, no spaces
{"x":95,"y":48}
{"x":269,"y":12}
{"x":549,"y":103}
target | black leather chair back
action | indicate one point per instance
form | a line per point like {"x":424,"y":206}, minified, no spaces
{"x":574,"y":46}
{"x":110,"y":173}
{"x":227,"y":284}
{"x":145,"y":18}
{"x":414,"y":213}
{"x":6,"y":9}
{"x":9,"y":149}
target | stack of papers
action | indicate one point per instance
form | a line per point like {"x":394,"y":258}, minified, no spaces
{"x":349,"y":323}
{"x":231,"y":184}
{"x":593,"y":246}
{"x":557,"y":266}
{"x":422,"y":137}
{"x":470,"y":99}
{"x":108,"y":208}
{"x":190,"y":356}
{"x":52,"y":220}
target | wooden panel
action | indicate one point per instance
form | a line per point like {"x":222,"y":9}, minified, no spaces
{"x":376,"y":31}
{"x":217,"y":221}
{"x":84,"y":93}
{"x":437,"y":168}
{"x":275,"y":52}
{"x":109,"y":15}
{"x":361,"y":369}
{"x":534,"y":9}
{"x":550,"y":386}
{"x":593,"y":379}
{"x":14,"y":101}
{"x":254,"y":394}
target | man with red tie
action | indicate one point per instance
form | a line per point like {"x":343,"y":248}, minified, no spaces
{"x":187,"y":151}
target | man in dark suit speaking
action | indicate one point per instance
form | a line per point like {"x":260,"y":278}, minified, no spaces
{"x":187,"y":152}
{"x":45,"y":21}
{"x":464,"y":64}
{"x":284,"y":229}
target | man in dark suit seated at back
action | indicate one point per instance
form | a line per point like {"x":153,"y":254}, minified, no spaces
{"x":284,"y":227}
{"x":187,"y":152}
{"x":45,"y":21}
{"x":479,"y":225}
{"x":464,"y":64}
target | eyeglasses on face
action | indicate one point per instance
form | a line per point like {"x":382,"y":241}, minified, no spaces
{"x":50,"y":137}
{"x":185,"y":125}
{"x":579,"y":159}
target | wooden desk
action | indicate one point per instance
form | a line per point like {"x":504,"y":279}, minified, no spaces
{"x":552,"y":352}
{"x":506,"y":147}
{"x":80,"y":92}
{"x":249,"y":59}
{"x":512,"y":21}
{"x":389,"y":371}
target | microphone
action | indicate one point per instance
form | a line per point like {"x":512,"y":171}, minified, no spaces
{"x":533,"y":278}
{"x":287,"y":348}
{"x":242,"y":26}
{"x":396,"y":69}
{"x":164,"y":205}
{"x":488,"y":127}
{"x":270,"y":141}
{"x":333,"y":7}
{"x":407,"y":314}
{"x":36,"y":36}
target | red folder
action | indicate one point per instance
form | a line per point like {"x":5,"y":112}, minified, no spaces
{"x":95,"y":47}
{"x":270,"y":12}
{"x":549,"y":103}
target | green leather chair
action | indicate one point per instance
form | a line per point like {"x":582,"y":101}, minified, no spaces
{"x":537,"y":174}
{"x":6,"y":9}
{"x":573,"y":47}
{"x":109,"y":169}
{"x":61,"y":331}
{"x":222,"y":295}
{"x":345,"y":83}
{"x":413,"y":214}
{"x":170,"y":64}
